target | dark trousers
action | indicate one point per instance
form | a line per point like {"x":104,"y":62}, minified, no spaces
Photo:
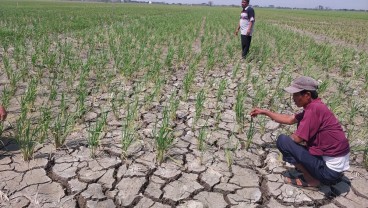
{"x":245,"y":42}
{"x":297,"y":154}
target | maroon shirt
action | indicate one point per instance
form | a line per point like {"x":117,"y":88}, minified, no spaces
{"x":319,"y":127}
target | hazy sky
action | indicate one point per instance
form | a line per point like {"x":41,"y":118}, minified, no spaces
{"x":333,"y":4}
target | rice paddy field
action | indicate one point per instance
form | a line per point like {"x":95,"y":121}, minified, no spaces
{"x":154,"y":86}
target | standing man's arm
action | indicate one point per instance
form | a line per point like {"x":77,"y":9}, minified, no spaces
{"x":249,"y":28}
{"x":237,"y":30}
{"x":251,"y":20}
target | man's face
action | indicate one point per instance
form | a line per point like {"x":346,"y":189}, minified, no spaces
{"x":244,"y":4}
{"x":301,"y":100}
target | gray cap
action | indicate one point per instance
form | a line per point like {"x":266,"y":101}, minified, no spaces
{"x":302,"y":83}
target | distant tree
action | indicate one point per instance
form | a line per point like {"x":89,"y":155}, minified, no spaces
{"x":210,"y":3}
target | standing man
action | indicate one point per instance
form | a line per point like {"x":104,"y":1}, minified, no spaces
{"x":246,"y":25}
{"x":318,"y":148}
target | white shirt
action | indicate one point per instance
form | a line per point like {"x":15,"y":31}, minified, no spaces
{"x":338,"y":164}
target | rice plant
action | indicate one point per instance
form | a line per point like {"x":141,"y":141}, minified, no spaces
{"x":95,"y":133}
{"x":163,"y":137}
{"x":44,"y":123}
{"x":250,"y":134}
{"x":128,"y":128}
{"x":202,"y":139}
{"x":61,"y":127}
{"x":235,"y":70}
{"x":173,"y":105}
{"x":188,"y":81}
{"x":229,"y":157}
{"x":354,"y":110}
{"x":220,"y":91}
{"x":26,"y":136}
{"x":239,"y":107}
{"x":199,"y":105}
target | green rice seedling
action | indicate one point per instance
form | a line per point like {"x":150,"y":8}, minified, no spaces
{"x":334,"y":103}
{"x":156,"y":90}
{"x":25,"y":136}
{"x":81,"y":97}
{"x":1,"y":128}
{"x":254,"y":80}
{"x":199,"y":105}
{"x":260,"y":96}
{"x":262,"y":125}
{"x":44,"y":123}
{"x":235,"y":70}
{"x":127,"y":137}
{"x":210,"y":61}
{"x":53,"y":91}
{"x":355,"y":107}
{"x":173,"y":105}
{"x":230,"y":50}
{"x":31,"y":93}
{"x":323,"y":86}
{"x":14,"y":79}
{"x":239,"y":107}
{"x":188,"y":81}
{"x":229,"y":157}
{"x":5,"y":96}
{"x":202,"y":139}
{"x":128,"y":128}
{"x":220,"y":91}
{"x":163,"y":137}
{"x":114,"y":104}
{"x":250,"y":134}
{"x":249,"y":67}
{"x":60,"y":129}
{"x":349,"y":131}
{"x":170,"y":56}
{"x":95,"y":134}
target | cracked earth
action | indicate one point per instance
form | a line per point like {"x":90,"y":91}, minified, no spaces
{"x":188,"y":178}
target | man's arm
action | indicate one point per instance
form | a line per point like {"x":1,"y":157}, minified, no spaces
{"x":249,"y":28}
{"x":237,"y":30}
{"x":297,"y":139}
{"x":279,"y":118}
{"x":3,"y":113}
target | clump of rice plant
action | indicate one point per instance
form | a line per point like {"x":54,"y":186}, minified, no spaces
{"x":128,"y":128}
{"x":173,"y":105}
{"x":199,"y":105}
{"x":26,"y":134}
{"x":220,"y":91}
{"x":95,"y":134}
{"x":250,"y":134}
{"x":229,"y":157}
{"x":235,"y":70}
{"x":44,"y":123}
{"x":63,"y":124}
{"x":188,"y":80}
{"x":240,"y":108}
{"x":163,"y":137}
{"x":202,"y":141}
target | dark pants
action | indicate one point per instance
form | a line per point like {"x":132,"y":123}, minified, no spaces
{"x":296,"y":154}
{"x":245,"y":41}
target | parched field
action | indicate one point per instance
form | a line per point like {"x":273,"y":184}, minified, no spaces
{"x":137,"y":105}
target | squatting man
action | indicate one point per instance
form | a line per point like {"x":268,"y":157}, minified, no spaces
{"x":318,"y":148}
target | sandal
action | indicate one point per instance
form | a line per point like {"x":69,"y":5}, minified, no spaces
{"x":300,"y":183}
